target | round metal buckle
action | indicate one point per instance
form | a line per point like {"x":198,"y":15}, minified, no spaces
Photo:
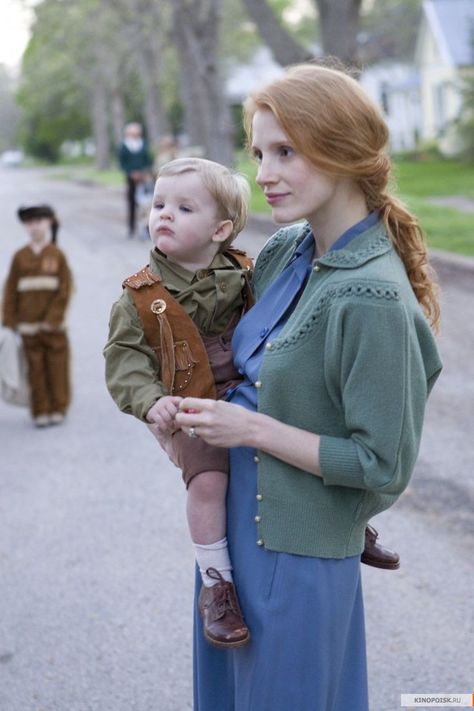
{"x":158,"y":306}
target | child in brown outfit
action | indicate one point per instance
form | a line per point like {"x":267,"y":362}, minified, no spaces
{"x":36,"y":296}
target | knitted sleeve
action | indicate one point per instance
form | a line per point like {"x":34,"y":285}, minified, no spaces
{"x":131,"y":366}
{"x":57,"y":307}
{"x":380,"y":363}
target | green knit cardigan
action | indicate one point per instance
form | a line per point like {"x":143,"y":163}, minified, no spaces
{"x":355,"y":364}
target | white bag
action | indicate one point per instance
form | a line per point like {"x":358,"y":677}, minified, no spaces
{"x":14,"y":387}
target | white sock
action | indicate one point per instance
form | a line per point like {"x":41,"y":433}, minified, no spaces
{"x":213,"y":555}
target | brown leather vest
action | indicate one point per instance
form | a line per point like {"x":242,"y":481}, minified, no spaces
{"x":173,"y":335}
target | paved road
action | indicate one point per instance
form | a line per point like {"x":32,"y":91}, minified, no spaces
{"x":95,"y":563}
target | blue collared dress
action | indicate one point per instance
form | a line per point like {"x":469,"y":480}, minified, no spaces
{"x":305,"y":614}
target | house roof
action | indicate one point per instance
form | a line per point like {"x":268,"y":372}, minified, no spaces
{"x":452,"y":24}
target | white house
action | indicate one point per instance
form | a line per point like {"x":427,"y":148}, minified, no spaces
{"x":420,"y":100}
{"x":444,"y":55}
{"x":244,"y":78}
{"x":394,"y":86}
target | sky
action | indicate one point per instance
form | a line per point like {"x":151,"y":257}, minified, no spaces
{"x":14,"y":31}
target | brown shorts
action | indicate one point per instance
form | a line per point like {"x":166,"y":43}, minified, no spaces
{"x":194,"y":456}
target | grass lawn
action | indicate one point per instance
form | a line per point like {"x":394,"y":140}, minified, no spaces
{"x":88,"y":174}
{"x":416,"y":181}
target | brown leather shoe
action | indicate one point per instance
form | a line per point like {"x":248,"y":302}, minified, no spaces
{"x":224,"y":626}
{"x":376,"y":555}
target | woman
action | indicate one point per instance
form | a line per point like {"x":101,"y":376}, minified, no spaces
{"x":338,"y":360}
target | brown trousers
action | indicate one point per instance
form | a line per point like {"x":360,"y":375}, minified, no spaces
{"x":47,"y":357}
{"x":194,"y":455}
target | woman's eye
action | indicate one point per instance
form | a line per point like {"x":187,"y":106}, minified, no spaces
{"x":286,"y":151}
{"x":257,"y":155}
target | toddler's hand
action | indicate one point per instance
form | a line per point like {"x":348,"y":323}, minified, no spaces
{"x":163,"y":413}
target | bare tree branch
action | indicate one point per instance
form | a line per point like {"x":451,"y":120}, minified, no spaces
{"x":285,"y":49}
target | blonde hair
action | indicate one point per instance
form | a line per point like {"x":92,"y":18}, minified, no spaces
{"x":229,"y":189}
{"x":334,"y":124}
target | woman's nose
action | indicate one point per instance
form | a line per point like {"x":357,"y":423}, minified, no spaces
{"x":265,"y":174}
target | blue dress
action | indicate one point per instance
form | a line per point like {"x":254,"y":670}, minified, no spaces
{"x":305,"y":614}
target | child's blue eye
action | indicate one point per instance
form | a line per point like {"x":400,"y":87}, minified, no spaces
{"x":185,"y":209}
{"x":158,"y":205}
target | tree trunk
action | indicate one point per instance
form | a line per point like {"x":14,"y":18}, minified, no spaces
{"x":156,"y":120}
{"x":118,"y":116}
{"x":100,"y":124}
{"x":285,"y":49}
{"x":207,"y":114}
{"x":339,"y":21}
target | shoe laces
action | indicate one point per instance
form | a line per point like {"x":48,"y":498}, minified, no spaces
{"x":224,"y":597}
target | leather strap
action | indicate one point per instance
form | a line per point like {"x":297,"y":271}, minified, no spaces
{"x":173,"y":335}
{"x":174,"y":338}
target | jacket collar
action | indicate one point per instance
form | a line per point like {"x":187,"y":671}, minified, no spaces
{"x":361,"y":249}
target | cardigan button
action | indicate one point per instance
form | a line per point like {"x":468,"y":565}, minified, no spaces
{"x":260,"y":542}
{"x":201,"y":273}
{"x":316,"y":268}
{"x":256,"y":459}
{"x":269,"y":346}
{"x":258,"y":383}
{"x":259,"y":497}
{"x":258,"y":519}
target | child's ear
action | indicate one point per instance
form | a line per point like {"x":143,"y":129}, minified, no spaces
{"x":223,"y":231}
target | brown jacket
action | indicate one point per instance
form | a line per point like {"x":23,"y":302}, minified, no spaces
{"x":172,"y":334}
{"x":37,"y":289}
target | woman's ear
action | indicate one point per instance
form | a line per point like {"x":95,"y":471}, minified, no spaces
{"x":223,"y":231}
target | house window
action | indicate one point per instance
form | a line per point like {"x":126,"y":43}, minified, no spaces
{"x":439,"y":103}
{"x":384,"y":102}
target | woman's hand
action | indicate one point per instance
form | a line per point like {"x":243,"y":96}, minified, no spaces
{"x":219,"y":423}
{"x":226,"y":425}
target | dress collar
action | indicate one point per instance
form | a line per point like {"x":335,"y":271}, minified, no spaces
{"x":359,"y":244}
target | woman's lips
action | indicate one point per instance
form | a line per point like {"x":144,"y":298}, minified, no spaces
{"x":275,"y":198}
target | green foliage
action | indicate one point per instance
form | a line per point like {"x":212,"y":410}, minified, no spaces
{"x":53,"y":100}
{"x":239,"y":39}
{"x":9,"y":113}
